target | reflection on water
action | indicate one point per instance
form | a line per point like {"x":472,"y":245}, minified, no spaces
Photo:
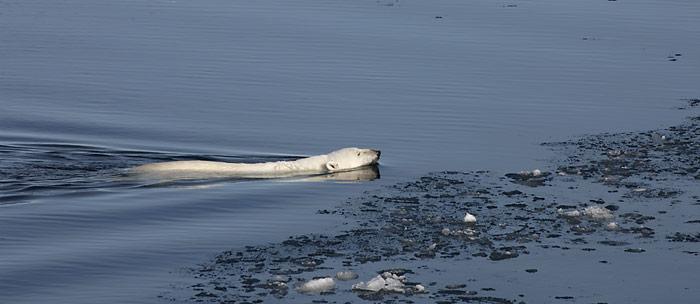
{"x":367,"y":173}
{"x":172,"y":178}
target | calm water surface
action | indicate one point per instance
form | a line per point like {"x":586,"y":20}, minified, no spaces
{"x":88,"y":88}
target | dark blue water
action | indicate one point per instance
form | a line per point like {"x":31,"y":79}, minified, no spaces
{"x":89,"y":88}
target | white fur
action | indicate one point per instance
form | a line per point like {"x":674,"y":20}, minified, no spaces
{"x":336,"y":161}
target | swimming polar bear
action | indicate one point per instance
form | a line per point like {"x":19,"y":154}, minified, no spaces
{"x":337,"y":161}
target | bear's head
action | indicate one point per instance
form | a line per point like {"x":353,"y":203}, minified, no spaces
{"x":351,"y":158}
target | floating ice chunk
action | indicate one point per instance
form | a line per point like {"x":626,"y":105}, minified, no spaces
{"x":468,"y":232}
{"x":375,"y":284}
{"x":346,"y":275}
{"x":572,"y":213}
{"x":393,"y":282}
{"x":469,"y":218}
{"x":419,"y":288}
{"x":384,"y":282}
{"x":277,"y":285}
{"x":611,"y":226}
{"x":639,"y":189}
{"x":317,"y":285}
{"x":594,"y":212}
{"x":533,"y":173}
{"x":598,"y":213}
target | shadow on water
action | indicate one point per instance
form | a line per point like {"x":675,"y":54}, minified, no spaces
{"x":34,"y":170}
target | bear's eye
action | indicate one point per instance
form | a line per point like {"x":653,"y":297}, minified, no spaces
{"x":358,"y":153}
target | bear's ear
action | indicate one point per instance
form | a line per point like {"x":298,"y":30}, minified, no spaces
{"x":332,"y":166}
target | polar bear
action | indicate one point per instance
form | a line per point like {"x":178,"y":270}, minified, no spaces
{"x":337,"y":161}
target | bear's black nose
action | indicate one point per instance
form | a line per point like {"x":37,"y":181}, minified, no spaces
{"x":378,"y":152}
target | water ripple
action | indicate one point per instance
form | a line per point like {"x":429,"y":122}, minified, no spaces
{"x":33,"y":170}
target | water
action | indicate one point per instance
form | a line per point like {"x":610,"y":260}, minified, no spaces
{"x":89,"y":88}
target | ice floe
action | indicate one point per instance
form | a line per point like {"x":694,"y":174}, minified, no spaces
{"x":598,"y":213}
{"x":469,"y":218}
{"x":593,"y":212}
{"x":317,"y":285}
{"x":385,"y":282}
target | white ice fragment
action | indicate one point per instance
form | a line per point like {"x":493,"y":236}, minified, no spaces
{"x":468,"y":231}
{"x":419,"y":288}
{"x":393,"y":282}
{"x":611,"y":226}
{"x":572,"y":213}
{"x":385,"y":282}
{"x":375,"y":284}
{"x":432,"y":246}
{"x":598,"y":213}
{"x":469,"y":218}
{"x":639,"y":189}
{"x":317,"y":285}
{"x":533,"y":173}
{"x":277,"y":284}
{"x":594,"y":212}
{"x":346,"y":275}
